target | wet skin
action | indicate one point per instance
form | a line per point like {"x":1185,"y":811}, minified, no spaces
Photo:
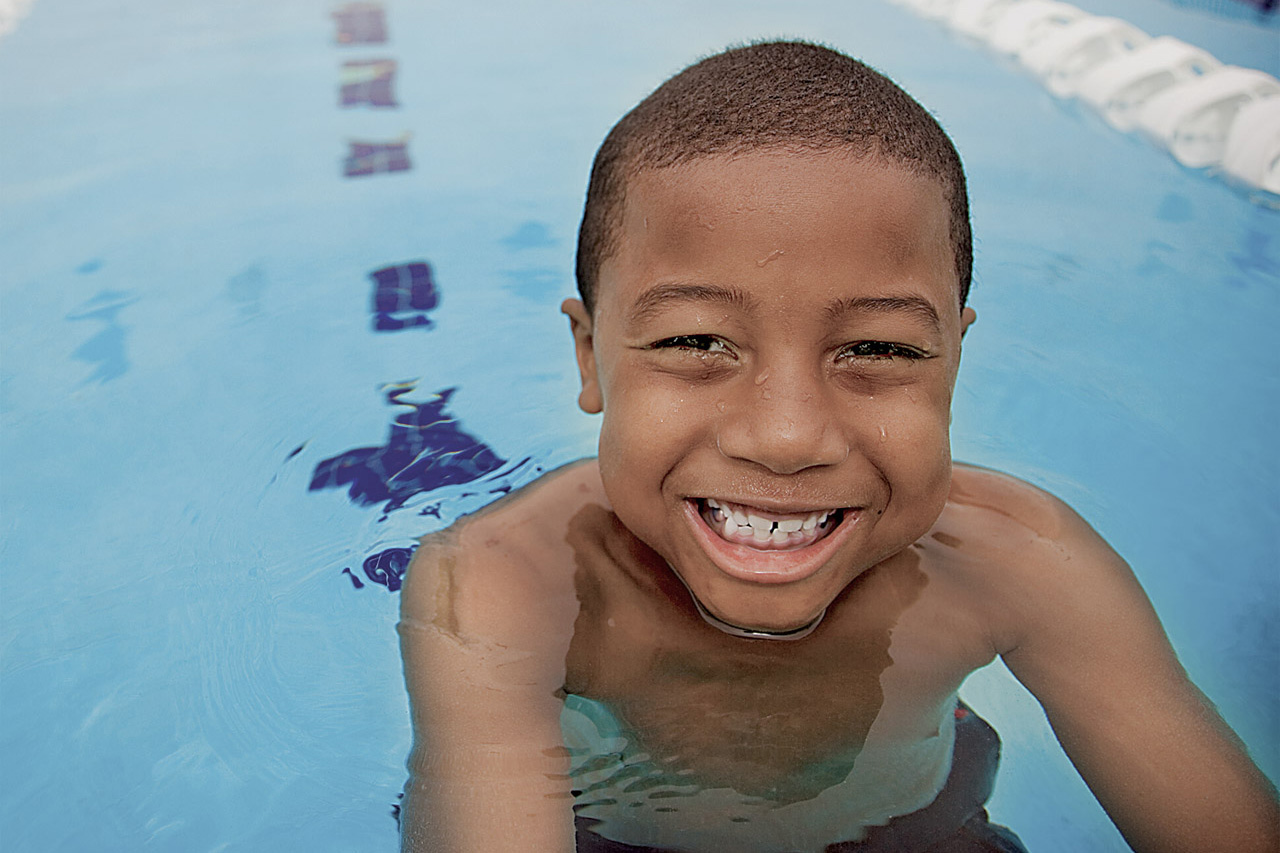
{"x":779,"y":334}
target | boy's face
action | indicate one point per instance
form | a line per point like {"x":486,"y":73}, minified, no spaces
{"x":774,"y":347}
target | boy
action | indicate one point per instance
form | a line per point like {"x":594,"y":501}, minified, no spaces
{"x":743,"y":627}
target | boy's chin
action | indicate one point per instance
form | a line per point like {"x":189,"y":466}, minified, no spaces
{"x":744,"y":616}
{"x":772,"y":609}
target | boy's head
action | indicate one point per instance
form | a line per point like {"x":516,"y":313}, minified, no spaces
{"x":773,"y":261}
{"x":788,"y":96}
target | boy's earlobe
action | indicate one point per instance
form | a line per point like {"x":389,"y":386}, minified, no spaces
{"x":967,"y":318}
{"x":590,"y":398}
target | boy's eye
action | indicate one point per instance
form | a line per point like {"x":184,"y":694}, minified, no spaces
{"x":879,"y":351}
{"x":700,"y":343}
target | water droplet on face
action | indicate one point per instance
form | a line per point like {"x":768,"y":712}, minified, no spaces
{"x":884,"y":434}
{"x":720,"y":406}
{"x":764,"y":394}
{"x":763,"y":377}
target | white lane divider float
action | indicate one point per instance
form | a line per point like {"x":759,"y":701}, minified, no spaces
{"x":1194,"y":118}
{"x":1252,"y":151}
{"x":1207,"y":115}
{"x":1069,"y":52}
{"x":1022,"y":24}
{"x":1118,"y":87}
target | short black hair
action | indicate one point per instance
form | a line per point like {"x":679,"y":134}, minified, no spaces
{"x":788,"y":96}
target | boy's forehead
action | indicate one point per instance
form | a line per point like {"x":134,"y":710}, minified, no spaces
{"x":781,"y":201}
{"x":775,"y":178}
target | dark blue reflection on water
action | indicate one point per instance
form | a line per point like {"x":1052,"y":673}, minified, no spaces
{"x":386,"y":568}
{"x":425,"y":450}
{"x":400,"y":294}
{"x":368,"y":82}
{"x":373,"y":158}
{"x":360,"y":23}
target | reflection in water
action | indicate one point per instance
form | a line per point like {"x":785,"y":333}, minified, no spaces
{"x":368,"y":83}
{"x":372,"y":158}
{"x":105,"y":349}
{"x":425,"y":450}
{"x":401,"y":295}
{"x":360,"y":23}
{"x":385,"y":568}
{"x":245,"y":289}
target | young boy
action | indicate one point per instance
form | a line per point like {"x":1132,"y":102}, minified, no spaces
{"x":743,"y":627}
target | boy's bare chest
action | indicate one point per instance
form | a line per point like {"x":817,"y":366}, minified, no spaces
{"x":748,"y":720}
{"x":769,"y":718}
{"x":765,"y":716}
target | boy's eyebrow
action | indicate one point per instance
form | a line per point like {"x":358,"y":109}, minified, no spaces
{"x":652,"y":300}
{"x":916,"y":305}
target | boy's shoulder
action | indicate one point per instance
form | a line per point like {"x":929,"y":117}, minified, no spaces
{"x":1006,"y":502}
{"x":492,"y":571}
{"x":1022,"y":554}
{"x":1014,"y":526}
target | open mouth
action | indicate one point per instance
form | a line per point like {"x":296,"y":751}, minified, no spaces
{"x":767,"y":531}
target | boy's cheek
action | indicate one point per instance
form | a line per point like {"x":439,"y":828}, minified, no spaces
{"x":920,"y":416}
{"x":912,"y":449}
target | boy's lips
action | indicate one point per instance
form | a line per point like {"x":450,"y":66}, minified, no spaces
{"x":767,"y":546}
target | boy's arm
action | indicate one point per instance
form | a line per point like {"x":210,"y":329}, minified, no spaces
{"x":1086,"y":642}
{"x":484,"y":635}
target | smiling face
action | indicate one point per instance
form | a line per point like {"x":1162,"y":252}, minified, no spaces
{"x":774,"y":346}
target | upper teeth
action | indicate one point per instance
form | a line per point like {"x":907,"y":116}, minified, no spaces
{"x":762,"y":528}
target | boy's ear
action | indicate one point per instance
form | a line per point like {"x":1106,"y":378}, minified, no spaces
{"x":967,"y":318}
{"x":590,"y":398}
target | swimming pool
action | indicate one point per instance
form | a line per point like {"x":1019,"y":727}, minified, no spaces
{"x":202,"y":377}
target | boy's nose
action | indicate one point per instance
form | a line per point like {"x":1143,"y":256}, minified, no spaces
{"x":783,"y":426}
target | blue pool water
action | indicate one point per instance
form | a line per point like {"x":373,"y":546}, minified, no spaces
{"x":234,"y":310}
